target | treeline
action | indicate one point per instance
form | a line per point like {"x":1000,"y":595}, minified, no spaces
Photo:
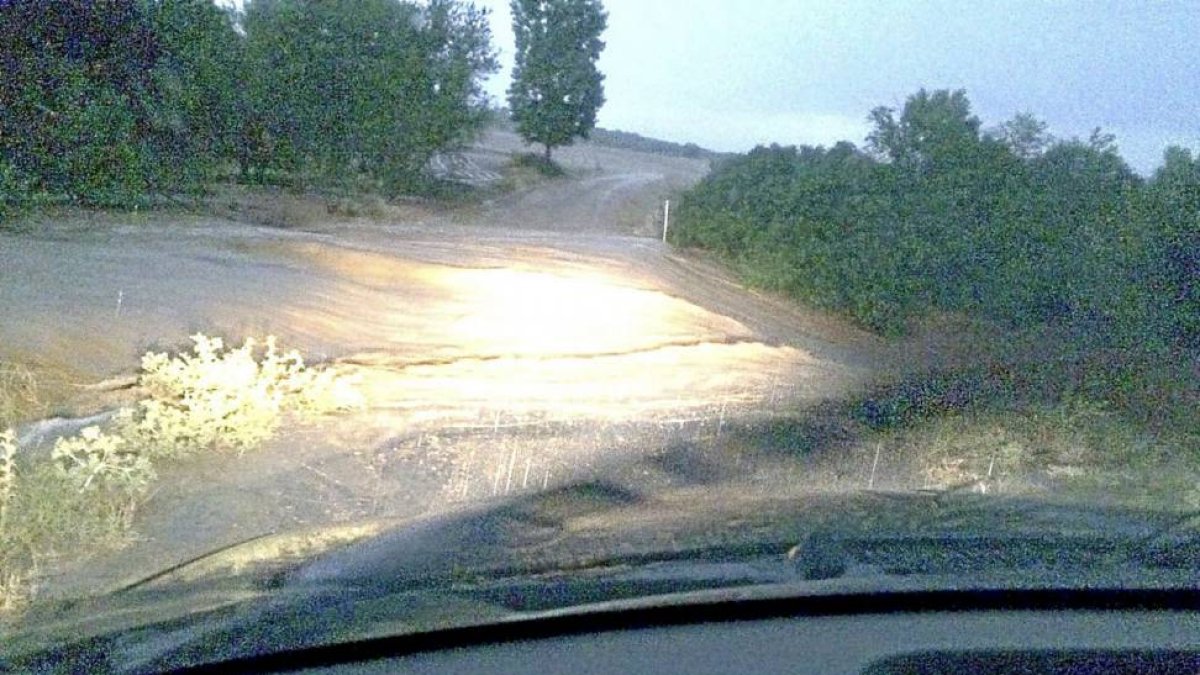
{"x":937,"y":214}
{"x":627,"y":140}
{"x":108,"y":101}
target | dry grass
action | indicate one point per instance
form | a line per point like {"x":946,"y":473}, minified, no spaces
{"x":8,"y":474}
{"x":49,"y":520}
{"x":281,"y":208}
{"x":19,"y":400}
{"x":1075,"y":447}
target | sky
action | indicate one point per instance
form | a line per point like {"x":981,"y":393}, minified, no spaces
{"x":732,"y":74}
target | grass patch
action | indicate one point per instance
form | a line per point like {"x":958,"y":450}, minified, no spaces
{"x":1152,"y":389}
{"x":984,"y":450}
{"x":523,"y":171}
{"x":1075,"y":449}
{"x":546,"y":168}
{"x":49,"y":520}
{"x":1118,"y":422}
{"x":19,"y":400}
{"x":211,"y":398}
{"x":1093,"y":427}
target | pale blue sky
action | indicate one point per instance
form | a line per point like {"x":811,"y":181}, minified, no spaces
{"x":730,"y":74}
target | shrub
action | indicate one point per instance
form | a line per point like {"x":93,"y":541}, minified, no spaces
{"x":940,"y":217}
{"x":544,"y":167}
{"x":95,"y":461}
{"x":219,"y":398}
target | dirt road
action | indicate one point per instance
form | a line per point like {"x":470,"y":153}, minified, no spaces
{"x":503,"y":348}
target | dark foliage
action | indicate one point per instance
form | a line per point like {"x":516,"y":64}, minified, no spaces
{"x":938,"y":215}
{"x":556,"y":88}
{"x":110,"y":102}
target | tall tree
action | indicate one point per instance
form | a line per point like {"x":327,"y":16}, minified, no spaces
{"x":557,"y":89}
{"x":1025,"y":135}
{"x":104,"y":102}
{"x":935,"y":131}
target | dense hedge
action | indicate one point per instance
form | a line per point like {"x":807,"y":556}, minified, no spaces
{"x":109,"y":102}
{"x":937,"y":215}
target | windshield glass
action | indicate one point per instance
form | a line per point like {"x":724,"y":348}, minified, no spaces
{"x":588,"y":281}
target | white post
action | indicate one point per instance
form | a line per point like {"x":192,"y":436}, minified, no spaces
{"x":666,"y":219}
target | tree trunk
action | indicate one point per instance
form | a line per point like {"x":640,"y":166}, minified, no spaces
{"x":547,"y":154}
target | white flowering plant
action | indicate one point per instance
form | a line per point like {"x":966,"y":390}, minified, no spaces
{"x":221,"y":398}
{"x":94,"y":460}
{"x":8,"y":473}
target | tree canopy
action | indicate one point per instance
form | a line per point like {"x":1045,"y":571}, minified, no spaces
{"x":934,"y":129}
{"x":108,"y":102}
{"x":556,"y":88}
{"x":374,"y":85}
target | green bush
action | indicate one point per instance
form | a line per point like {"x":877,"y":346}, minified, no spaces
{"x":938,"y":216}
{"x":106,"y":103}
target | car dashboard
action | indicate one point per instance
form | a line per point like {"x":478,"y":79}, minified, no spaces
{"x":995,"y":632}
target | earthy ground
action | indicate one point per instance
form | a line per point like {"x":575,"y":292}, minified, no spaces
{"x":505,"y":347}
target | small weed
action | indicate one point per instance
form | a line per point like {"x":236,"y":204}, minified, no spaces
{"x":369,"y":206}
